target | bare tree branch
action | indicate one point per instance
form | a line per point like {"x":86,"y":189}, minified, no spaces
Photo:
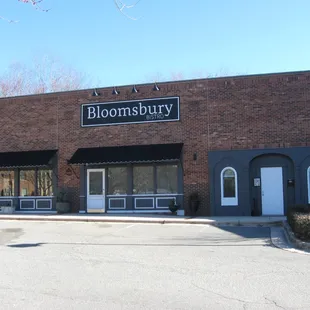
{"x":8,"y":20}
{"x":35,"y":4}
{"x":121,"y":6}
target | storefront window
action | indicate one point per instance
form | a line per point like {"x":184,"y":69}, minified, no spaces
{"x":167,"y":179}
{"x":117,"y":181}
{"x":27,"y":182}
{"x":143,"y":180}
{"x":6,"y":183}
{"x":44,"y":181}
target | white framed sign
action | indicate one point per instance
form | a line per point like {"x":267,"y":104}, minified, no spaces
{"x":256,"y":182}
{"x":130,"y":112}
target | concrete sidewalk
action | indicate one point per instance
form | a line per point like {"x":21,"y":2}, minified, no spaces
{"x":155,"y":219}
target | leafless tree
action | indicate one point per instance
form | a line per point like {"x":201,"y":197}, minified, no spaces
{"x":42,"y":76}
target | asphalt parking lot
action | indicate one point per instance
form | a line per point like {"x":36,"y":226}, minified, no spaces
{"x":59,"y":265}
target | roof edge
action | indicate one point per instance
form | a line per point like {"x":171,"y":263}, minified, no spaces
{"x":242,"y":76}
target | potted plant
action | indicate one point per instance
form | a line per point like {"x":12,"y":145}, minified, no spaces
{"x":62,"y":202}
{"x":173,"y":207}
{"x":194,"y":202}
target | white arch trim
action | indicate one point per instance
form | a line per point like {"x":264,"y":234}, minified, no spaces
{"x":229,"y":201}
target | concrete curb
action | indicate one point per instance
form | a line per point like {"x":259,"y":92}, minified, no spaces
{"x":280,"y":241}
{"x":147,"y":220}
{"x":80,"y":219}
{"x":289,"y":234}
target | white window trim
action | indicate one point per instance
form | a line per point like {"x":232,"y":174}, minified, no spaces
{"x":120,"y":198}
{"x":146,"y":198}
{"x":10,"y":200}
{"x":33,"y":204}
{"x":167,"y":198}
{"x":50,"y":204}
{"x":229,"y":201}
{"x":308,"y":183}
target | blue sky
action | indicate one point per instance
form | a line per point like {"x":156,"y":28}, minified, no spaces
{"x":191,"y":38}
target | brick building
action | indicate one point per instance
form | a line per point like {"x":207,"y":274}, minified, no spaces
{"x":240,"y":142}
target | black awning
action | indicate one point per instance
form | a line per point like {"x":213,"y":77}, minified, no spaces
{"x":127,"y":154}
{"x":26,"y":159}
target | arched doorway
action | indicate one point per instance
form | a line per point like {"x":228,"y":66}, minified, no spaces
{"x":272,"y":180}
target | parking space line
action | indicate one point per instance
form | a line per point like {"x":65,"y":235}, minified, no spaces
{"x":124,"y":228}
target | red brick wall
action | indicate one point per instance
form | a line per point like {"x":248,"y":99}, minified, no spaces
{"x":225,"y":113}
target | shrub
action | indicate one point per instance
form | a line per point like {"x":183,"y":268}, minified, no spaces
{"x":298,"y":218}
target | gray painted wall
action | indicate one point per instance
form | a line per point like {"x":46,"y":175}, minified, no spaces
{"x":247,"y":163}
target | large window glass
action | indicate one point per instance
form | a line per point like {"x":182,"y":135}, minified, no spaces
{"x":167,"y":179}
{"x":6,"y":183}
{"x":117,"y":181}
{"x":143,"y":180}
{"x":44,"y":183}
{"x":27,"y":182}
{"x":229,"y":189}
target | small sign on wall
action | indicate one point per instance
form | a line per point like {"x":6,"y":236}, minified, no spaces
{"x":256,"y":181}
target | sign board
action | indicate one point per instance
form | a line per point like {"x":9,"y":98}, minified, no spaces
{"x":257,"y":182}
{"x":131,"y":112}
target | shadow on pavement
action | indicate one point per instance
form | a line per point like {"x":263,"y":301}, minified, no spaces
{"x":247,"y":232}
{"x":25,"y":245}
{"x":235,"y":236}
{"x":29,"y":245}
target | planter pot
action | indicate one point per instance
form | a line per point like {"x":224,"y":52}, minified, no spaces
{"x":194,"y":205}
{"x":174,"y":209}
{"x":63,"y":207}
{"x":7,"y":210}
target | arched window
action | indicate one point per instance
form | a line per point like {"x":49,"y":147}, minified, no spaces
{"x":308,"y":183}
{"x":229,"y":187}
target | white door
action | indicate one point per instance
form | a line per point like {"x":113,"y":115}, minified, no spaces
{"x":95,"y":190}
{"x":272,"y":191}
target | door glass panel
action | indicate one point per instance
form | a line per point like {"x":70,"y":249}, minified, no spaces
{"x":95,"y":183}
{"x":229,"y":183}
